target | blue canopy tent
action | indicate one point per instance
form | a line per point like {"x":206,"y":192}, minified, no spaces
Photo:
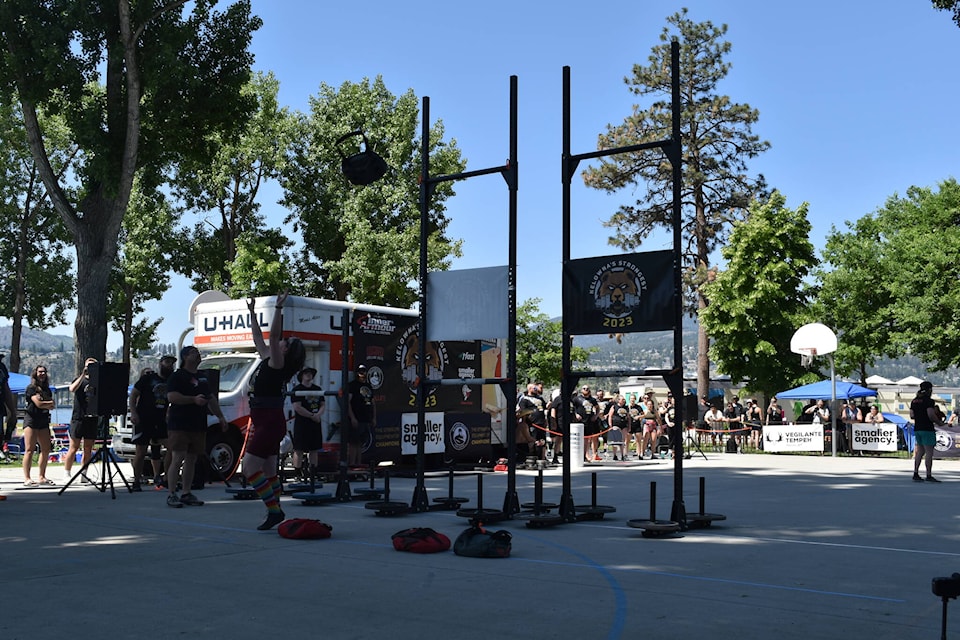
{"x":822,"y":391}
{"x":906,"y":427}
{"x":18,"y":383}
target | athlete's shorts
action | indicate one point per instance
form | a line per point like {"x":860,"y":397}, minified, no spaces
{"x":269,"y":427}
{"x":926,"y":438}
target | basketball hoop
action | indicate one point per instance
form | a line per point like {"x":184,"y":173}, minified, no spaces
{"x":807,"y":354}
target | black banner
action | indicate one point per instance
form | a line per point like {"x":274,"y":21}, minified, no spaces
{"x":619,"y":294}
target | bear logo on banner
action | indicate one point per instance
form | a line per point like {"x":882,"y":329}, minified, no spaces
{"x":617,"y":288}
{"x":625,"y":294}
{"x":408,"y":355}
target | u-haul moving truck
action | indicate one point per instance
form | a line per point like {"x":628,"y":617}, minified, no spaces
{"x":464,"y":422}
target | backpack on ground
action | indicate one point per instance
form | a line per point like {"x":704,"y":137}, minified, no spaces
{"x":304,"y":529}
{"x":420,"y":540}
{"x":477,"y":542}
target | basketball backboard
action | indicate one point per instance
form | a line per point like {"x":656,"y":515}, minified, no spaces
{"x":813,"y":339}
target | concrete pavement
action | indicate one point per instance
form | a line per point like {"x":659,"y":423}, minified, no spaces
{"x":813,"y":547}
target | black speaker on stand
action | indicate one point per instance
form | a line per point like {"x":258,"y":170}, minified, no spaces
{"x":106,"y":390}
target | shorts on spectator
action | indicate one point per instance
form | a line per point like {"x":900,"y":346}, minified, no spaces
{"x":189,"y":442}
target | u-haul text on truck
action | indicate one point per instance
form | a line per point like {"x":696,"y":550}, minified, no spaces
{"x":464,"y":420}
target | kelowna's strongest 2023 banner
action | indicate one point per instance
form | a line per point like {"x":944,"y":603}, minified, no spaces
{"x":389,"y":346}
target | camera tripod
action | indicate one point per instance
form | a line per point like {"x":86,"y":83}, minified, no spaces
{"x":687,"y":443}
{"x":104,"y":457}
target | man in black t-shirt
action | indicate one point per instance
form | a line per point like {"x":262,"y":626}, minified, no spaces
{"x":308,"y":412}
{"x":363,"y":415}
{"x":148,"y":412}
{"x":191,"y":398}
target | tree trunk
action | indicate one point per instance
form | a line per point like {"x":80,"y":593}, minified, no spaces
{"x":703,"y":340}
{"x":96,"y":244}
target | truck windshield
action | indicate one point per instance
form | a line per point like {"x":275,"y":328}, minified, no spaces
{"x":231,"y":369}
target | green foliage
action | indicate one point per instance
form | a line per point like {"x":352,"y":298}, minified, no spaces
{"x":141,"y":271}
{"x":949,"y":5}
{"x":36,"y":280}
{"x":854,"y":297}
{"x":140,"y":85}
{"x":758,"y":301}
{"x":921,"y":251}
{"x":362,"y":243}
{"x":260,"y":267}
{"x":224,"y":193}
{"x":540,"y":347}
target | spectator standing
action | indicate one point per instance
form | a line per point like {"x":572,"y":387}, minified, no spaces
{"x":83,"y":427}
{"x":774,"y":413}
{"x":619,"y":421}
{"x":926,"y":417}
{"x":308,"y":415}
{"x":754,"y":419}
{"x":850,"y":414}
{"x":586,"y":409}
{"x":10,"y":408}
{"x":191,"y":398}
{"x":36,"y":425}
{"x":533,"y":411}
{"x":148,"y":412}
{"x":714,"y":420}
{"x":362,"y":413}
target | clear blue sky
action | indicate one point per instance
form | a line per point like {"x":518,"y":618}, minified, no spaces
{"x":858,"y":99}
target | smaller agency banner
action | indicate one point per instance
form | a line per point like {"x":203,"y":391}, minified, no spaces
{"x":874,"y":437}
{"x":792,"y":437}
{"x":948,"y":442}
{"x":619,"y":294}
{"x":433,"y":441}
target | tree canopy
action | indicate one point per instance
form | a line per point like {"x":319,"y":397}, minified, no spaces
{"x":717,"y":141}
{"x":361,"y":243}
{"x":759,"y":300}
{"x":140,"y":85}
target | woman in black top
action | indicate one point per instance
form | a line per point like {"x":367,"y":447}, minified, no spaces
{"x":36,"y":424}
{"x":280,"y":359}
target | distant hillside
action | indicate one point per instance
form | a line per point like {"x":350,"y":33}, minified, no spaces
{"x":654,"y":350}
{"x":35,"y":341}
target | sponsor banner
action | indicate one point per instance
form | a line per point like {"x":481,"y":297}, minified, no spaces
{"x":433,"y":440}
{"x":622,"y":294}
{"x":390,"y":347}
{"x":467,"y":435}
{"x":792,"y":437}
{"x":873,"y":437}
{"x":948,"y":443}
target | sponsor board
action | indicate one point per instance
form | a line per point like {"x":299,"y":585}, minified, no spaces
{"x":874,"y":437}
{"x":792,"y":437}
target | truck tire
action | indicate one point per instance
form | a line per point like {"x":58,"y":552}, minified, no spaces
{"x":223,"y":449}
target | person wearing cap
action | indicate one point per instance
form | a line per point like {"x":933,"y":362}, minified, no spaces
{"x":192,"y":397}
{"x":83,"y":427}
{"x":279,"y":361}
{"x":926,"y":417}
{"x":362,"y":412}
{"x":308,"y":411}
{"x":148,"y":413}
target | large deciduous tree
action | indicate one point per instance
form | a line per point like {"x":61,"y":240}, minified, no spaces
{"x":717,"y":141}
{"x":361,"y":243}
{"x":854,"y":297}
{"x":922,"y":251}
{"x":36,"y":286}
{"x":142,"y":269}
{"x":140,"y":84}
{"x":759,"y":300}
{"x":224,"y":193}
